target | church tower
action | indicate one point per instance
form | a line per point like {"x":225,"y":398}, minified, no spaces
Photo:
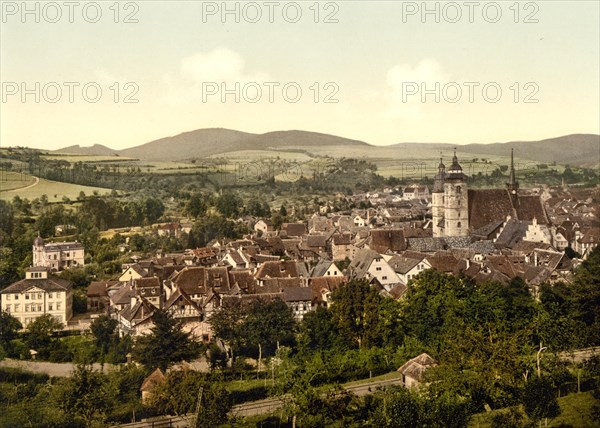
{"x":38,"y":251}
{"x":513,"y":184}
{"x":437,"y":201}
{"x":456,"y":206}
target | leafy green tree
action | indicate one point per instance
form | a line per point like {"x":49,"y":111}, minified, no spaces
{"x":512,"y":417}
{"x":179,"y":393}
{"x":539,"y":399}
{"x":228,"y":204}
{"x":103,"y":330}
{"x":9,"y":327}
{"x":226,"y":324}
{"x":40,"y":334}
{"x":85,"y":396}
{"x":196,"y":206}
{"x":355,"y":311}
{"x":215,"y":404}
{"x":268,"y":324}
{"x":397,"y":407}
{"x":166,"y":344}
{"x":318,"y":332}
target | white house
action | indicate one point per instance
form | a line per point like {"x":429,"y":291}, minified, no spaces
{"x":407,"y":268}
{"x":58,"y":256}
{"x":369,"y":264}
{"x":38,"y":294}
{"x":538,"y":233}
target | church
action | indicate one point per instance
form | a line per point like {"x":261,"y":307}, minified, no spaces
{"x":459,"y":211}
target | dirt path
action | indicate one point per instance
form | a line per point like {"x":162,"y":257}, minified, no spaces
{"x":37,"y":181}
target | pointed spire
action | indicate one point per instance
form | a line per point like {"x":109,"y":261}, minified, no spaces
{"x":513,"y":185}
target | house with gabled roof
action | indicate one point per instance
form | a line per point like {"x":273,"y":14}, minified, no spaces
{"x":407,"y":268}
{"x":325,"y":267}
{"x":136,"y":318}
{"x":133,"y":271}
{"x":369,"y":264}
{"x":151,"y":289}
{"x":413,"y":371}
{"x":152,"y":381}
{"x":342,"y":246}
{"x":97,"y":295}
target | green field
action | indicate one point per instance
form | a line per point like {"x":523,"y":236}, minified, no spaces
{"x":10,"y":180}
{"x":55,"y":190}
{"x":575,"y":410}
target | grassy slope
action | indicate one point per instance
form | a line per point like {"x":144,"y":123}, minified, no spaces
{"x":575,"y":411}
{"x":55,"y":191}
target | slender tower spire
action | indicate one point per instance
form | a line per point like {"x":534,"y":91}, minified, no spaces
{"x":513,"y":184}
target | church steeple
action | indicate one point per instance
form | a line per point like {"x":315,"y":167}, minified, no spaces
{"x":513,"y":184}
{"x":438,"y":182}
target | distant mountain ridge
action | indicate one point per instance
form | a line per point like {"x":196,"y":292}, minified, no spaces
{"x":575,"y":149}
{"x":95,"y":150}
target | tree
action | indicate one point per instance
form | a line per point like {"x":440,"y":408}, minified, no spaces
{"x":103,"y":329}
{"x":85,"y":396}
{"x":397,"y":407}
{"x":196,"y":206}
{"x":226,"y":324}
{"x":355,"y":312}
{"x":318,"y":332}
{"x":539,"y":399}
{"x":228,"y":204}
{"x":268,"y":324}
{"x":166,"y":344}
{"x":41,"y":331}
{"x":9,"y":327}
{"x":215,"y":404}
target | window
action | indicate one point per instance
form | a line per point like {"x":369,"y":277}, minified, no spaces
{"x":458,"y":189}
{"x":58,"y":306}
{"x":50,"y":306}
{"x":458,"y":224}
{"x":384,"y":277}
{"x":39,"y":296}
{"x":49,"y":295}
{"x":16,"y":297}
{"x":26,"y":308}
{"x":8,"y":308}
{"x":17,"y":307}
{"x":8,"y":297}
{"x":378,"y":268}
{"x":26,"y":296}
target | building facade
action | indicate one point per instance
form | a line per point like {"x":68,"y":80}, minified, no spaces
{"x":57,"y":256}
{"x":38,"y":294}
{"x":450,"y":201}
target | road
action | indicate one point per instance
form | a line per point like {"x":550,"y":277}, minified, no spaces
{"x":35,"y":183}
{"x":254,"y":408}
{"x":51,"y":369}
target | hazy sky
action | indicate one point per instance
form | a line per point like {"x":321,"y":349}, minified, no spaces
{"x":376,"y":60}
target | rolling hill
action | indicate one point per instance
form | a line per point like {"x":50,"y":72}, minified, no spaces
{"x":207,"y":142}
{"x":95,"y":150}
{"x":575,"y":149}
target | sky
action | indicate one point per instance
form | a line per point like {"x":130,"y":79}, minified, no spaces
{"x":123,"y":74}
